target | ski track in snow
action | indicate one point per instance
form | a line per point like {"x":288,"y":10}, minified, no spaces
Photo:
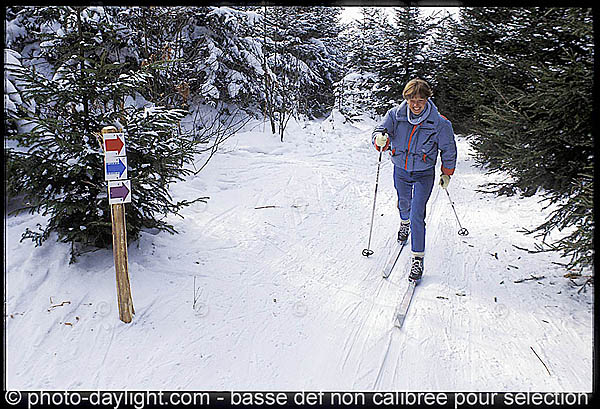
{"x":284,"y":298}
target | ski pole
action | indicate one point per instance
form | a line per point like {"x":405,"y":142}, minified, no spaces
{"x":462,"y":231}
{"x":367,"y":252}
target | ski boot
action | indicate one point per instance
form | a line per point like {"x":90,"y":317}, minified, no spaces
{"x":404,"y":230}
{"x":416,"y":269}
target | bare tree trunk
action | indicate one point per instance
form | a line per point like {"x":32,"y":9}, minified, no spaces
{"x":85,"y":102}
{"x":269,"y":84}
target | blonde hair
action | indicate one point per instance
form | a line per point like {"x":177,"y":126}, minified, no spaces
{"x":417,"y":88}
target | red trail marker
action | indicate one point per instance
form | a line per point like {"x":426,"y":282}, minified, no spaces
{"x":114,"y":144}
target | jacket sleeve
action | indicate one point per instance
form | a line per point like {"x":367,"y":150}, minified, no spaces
{"x":386,"y":125}
{"x":447,"y":147}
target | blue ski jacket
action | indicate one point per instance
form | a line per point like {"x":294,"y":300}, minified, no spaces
{"x":415,"y":147}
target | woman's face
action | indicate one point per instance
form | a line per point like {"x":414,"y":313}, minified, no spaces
{"x":417,"y":104}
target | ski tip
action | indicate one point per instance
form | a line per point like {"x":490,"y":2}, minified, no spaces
{"x":399,"y":320}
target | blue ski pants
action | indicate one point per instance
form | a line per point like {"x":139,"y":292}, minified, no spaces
{"x":414,"y":189}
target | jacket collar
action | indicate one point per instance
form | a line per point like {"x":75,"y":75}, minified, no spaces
{"x":432,"y":118}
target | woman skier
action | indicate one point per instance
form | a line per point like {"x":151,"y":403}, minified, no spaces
{"x":414,"y":132}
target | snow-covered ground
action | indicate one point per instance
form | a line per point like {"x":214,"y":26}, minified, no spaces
{"x":284,"y":298}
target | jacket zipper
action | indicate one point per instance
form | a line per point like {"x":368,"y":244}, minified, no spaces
{"x":408,"y":150}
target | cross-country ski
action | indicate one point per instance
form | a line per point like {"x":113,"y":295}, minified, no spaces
{"x":402,"y":310}
{"x":393,"y":258}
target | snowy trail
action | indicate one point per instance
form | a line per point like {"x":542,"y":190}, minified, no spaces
{"x":286,"y":301}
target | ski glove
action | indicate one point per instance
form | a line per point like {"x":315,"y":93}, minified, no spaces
{"x":444,"y":181}
{"x":381,"y":141}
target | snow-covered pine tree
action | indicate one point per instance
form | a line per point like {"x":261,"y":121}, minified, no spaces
{"x":199,"y":55}
{"x":367,"y":37}
{"x":12,"y":95}
{"x":203,"y":59}
{"x":539,"y":127}
{"x":280,"y":43}
{"x":318,"y":29}
{"x":13,"y":31}
{"x":153,"y":39}
{"x":364,"y":41}
{"x":484,"y":42}
{"x":55,"y":158}
{"x":354,"y":95}
{"x":13,"y":109}
{"x":443,"y":61}
{"x":221,"y":59}
{"x":537,"y":124}
{"x":406,"y":55}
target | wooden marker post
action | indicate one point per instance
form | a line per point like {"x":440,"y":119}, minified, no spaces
{"x":119,"y":193}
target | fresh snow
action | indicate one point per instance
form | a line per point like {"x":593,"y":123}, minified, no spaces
{"x":9,"y":105}
{"x":283,"y":298}
{"x":11,"y":58}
